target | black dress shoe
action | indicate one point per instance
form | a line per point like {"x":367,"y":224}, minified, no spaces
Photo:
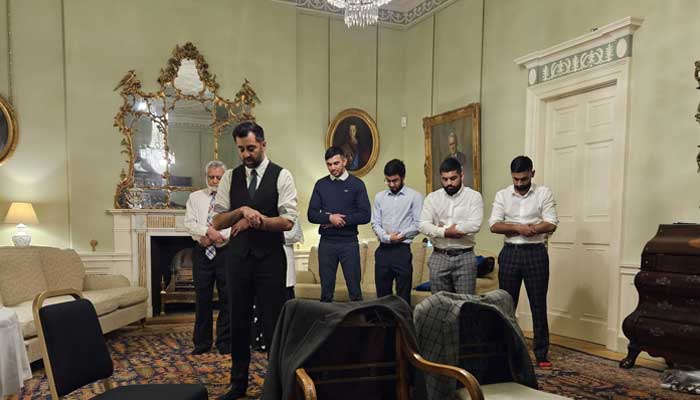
{"x":200,"y":350}
{"x":233,"y":394}
{"x":224,"y":350}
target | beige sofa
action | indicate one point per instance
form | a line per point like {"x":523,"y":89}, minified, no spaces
{"x":26,"y":272}
{"x":309,"y":282}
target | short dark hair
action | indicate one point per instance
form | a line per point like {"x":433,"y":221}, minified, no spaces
{"x":334,"y":151}
{"x":244,"y":128}
{"x":450,"y":164}
{"x":395,"y":167}
{"x":521,"y":164}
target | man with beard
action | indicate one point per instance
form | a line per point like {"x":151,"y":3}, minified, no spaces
{"x":209,"y":259}
{"x":258,"y":200}
{"x":451,"y":217}
{"x":525,"y":213}
{"x":339,"y":203}
{"x":395,"y":221}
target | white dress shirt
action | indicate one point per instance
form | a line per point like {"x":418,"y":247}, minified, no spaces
{"x":286,"y":191}
{"x":440,"y":211}
{"x":295,"y":235}
{"x":197,"y":213}
{"x":342,"y":176}
{"x":534,"y":207}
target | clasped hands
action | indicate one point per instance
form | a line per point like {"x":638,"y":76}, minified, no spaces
{"x":451,"y":231}
{"x":250,"y":218}
{"x":212,"y":237}
{"x":336,"y":221}
{"x":523,"y":230}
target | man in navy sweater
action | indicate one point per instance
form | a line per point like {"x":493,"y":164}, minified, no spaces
{"x":339,"y":203}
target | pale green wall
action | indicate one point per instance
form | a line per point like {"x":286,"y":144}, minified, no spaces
{"x":308,"y":67}
{"x":661,"y":180}
{"x":37,"y":170}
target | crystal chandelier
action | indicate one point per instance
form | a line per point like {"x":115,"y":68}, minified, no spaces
{"x":359,"y":12}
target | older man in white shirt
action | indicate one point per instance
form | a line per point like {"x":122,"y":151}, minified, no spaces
{"x":525,"y":213}
{"x":451,"y":217}
{"x":209,"y":264}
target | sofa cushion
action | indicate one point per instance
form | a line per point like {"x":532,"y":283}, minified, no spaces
{"x":22,"y":276}
{"x":62,"y":268}
{"x":123,"y":296}
{"x":26,"y":318}
{"x":509,"y":390}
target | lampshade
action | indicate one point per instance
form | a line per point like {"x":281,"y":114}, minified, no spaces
{"x":21,"y":213}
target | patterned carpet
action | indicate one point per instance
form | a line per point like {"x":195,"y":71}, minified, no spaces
{"x":162,"y":356}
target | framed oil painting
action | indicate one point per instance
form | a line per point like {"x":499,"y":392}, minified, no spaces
{"x":354,"y":131}
{"x":9,"y":134}
{"x":455,"y":134}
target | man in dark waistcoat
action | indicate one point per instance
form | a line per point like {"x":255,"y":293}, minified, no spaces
{"x":258,"y":200}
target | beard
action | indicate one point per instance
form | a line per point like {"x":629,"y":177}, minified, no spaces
{"x":523,"y":188}
{"x":252,"y":162}
{"x":451,"y":190}
{"x":396,"y":190}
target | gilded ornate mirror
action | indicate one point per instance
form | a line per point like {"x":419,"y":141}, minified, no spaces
{"x":9,"y":134}
{"x":171,"y":134}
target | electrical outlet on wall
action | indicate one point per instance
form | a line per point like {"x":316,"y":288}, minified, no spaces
{"x":404,"y":121}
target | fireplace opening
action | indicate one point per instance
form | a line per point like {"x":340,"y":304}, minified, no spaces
{"x":172,"y":285}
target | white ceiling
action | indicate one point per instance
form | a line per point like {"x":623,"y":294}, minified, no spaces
{"x":402,"y":5}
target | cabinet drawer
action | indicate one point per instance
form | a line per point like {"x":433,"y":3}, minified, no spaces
{"x":681,"y":264}
{"x":672,"y":285}
{"x":669,"y":335}
{"x":683,"y":310}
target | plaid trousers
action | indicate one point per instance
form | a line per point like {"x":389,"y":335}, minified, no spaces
{"x":529,"y":263}
{"x":456,"y":274}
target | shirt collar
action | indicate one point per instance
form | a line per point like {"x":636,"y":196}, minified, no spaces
{"x":210,"y":191}
{"x":260,"y":169}
{"x":400,"y":192}
{"x":515,"y":193}
{"x":342,"y":177}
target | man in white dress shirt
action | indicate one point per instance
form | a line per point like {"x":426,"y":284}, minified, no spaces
{"x":209,"y":261}
{"x":525,"y":213}
{"x":451,"y":217}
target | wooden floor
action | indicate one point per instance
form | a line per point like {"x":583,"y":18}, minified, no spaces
{"x":598,"y":350}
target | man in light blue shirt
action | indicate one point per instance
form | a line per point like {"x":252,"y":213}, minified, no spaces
{"x":395,"y":220}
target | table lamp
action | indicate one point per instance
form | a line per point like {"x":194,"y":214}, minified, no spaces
{"x":21,"y":214}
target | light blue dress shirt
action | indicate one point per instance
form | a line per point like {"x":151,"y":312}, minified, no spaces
{"x":397,"y":212}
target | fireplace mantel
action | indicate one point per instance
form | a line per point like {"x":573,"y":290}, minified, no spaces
{"x":133,"y":229}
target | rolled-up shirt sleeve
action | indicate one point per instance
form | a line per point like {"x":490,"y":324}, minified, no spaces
{"x":498,"y":212}
{"x":427,"y":216}
{"x":222,"y":202}
{"x":471,"y":223}
{"x":287,"y":196}
{"x":549,"y":210}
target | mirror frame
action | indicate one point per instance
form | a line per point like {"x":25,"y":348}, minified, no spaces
{"x":12,"y":130}
{"x":239,"y":109}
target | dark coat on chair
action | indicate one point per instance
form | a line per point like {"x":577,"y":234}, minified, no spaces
{"x":304,"y":326}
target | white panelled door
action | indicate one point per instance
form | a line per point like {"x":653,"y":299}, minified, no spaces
{"x":584,"y":169}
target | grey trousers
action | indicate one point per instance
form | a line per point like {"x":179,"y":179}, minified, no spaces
{"x":455,"y":274}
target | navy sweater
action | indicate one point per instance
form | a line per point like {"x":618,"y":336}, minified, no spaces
{"x":348,"y":197}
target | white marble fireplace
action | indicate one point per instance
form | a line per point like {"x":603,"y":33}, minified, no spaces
{"x":133,"y":230}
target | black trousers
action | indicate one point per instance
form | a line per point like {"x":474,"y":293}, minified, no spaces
{"x":329,"y":254}
{"x":529,"y":263}
{"x":255,"y":274}
{"x":206,"y":273}
{"x":393,"y":262}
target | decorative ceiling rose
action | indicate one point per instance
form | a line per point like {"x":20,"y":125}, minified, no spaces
{"x":359,"y":12}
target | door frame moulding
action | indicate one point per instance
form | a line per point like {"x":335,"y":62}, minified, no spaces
{"x":597,"y":59}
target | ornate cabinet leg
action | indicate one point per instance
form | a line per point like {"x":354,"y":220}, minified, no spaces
{"x":632,"y":353}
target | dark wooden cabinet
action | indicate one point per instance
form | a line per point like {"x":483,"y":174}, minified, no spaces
{"x":666,"y":322}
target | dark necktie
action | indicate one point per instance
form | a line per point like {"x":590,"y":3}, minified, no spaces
{"x":253,"y":183}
